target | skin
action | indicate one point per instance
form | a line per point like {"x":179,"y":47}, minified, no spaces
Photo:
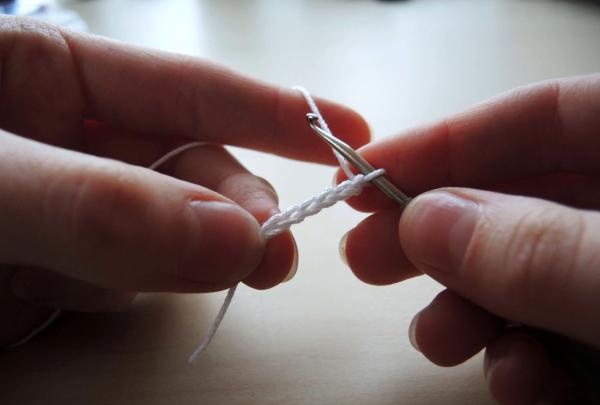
{"x":506,"y":217}
{"x":86,"y":226}
{"x":512,"y":229}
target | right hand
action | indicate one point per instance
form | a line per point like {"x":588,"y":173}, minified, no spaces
{"x":526,"y":250}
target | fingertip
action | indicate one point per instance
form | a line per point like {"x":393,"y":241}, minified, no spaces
{"x":373,"y":253}
{"x":300,"y":141}
{"x":436,"y":228}
{"x":278,"y":261}
{"x":279,"y":258}
{"x":517,"y":369}
{"x":254,"y":193}
{"x":224,"y":243}
{"x":347,"y":124}
{"x":412,"y":332}
{"x":294,"y":268}
{"x":451,"y":330}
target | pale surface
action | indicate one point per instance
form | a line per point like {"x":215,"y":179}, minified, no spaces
{"x":323,"y":338}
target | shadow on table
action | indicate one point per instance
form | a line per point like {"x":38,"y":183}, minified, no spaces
{"x":98,"y":358}
{"x":139,"y":357}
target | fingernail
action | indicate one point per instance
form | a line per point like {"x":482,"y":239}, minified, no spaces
{"x":436,"y":228}
{"x":223,"y":243}
{"x":342,"y":248}
{"x":270,"y":190}
{"x":294,"y":267}
{"x":412,"y":332}
{"x":488,"y":371}
{"x":494,"y":354}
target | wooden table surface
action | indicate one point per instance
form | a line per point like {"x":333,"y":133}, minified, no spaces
{"x":324,"y":338}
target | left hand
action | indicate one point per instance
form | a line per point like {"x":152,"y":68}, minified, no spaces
{"x":67,"y":103}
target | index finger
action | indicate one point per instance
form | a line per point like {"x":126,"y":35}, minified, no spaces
{"x":533,"y":131}
{"x":158,"y":92}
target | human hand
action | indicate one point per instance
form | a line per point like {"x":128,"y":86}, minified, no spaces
{"x":85,"y":232}
{"x":525,"y":252}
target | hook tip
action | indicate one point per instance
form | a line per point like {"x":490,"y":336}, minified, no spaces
{"x":312,"y":118}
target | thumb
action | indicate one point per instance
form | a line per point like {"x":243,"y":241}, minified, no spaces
{"x":118,"y":226}
{"x":524,"y":259}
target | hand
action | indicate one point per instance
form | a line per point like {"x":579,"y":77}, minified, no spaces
{"x":526,"y":252}
{"x":85,"y":232}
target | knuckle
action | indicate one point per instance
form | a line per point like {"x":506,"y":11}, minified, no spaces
{"x":541,"y":254}
{"x":246,"y":189}
{"x":105,"y":205}
{"x":266,"y":185}
{"x":33,"y":37}
{"x":39,"y":73}
{"x":20,"y":25}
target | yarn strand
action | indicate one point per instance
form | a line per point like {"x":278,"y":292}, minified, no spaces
{"x":312,"y":206}
{"x":295,"y":214}
{"x":315,"y":110}
{"x":273,"y":226}
{"x":215,"y":325}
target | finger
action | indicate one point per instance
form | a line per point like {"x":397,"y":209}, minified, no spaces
{"x":523,"y":259}
{"x":570,"y":189}
{"x":373,"y":252}
{"x":279,"y":263}
{"x":575,"y":190}
{"x":215,"y":168}
{"x":575,"y":373}
{"x":45,"y":288}
{"x":151,"y":92}
{"x":451,"y":330}
{"x":374,"y":257}
{"x":131,"y":147}
{"x":517,"y":368}
{"x":19,"y":318}
{"x":119,"y":226}
{"x":544,"y":128}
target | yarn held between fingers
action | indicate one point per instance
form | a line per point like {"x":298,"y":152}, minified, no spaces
{"x":295,"y":214}
{"x":312,"y":206}
{"x":273,"y":226}
{"x":282,"y":222}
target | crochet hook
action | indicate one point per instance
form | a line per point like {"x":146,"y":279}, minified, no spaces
{"x":381,"y":182}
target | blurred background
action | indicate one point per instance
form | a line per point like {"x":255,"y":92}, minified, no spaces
{"x":324,"y":337}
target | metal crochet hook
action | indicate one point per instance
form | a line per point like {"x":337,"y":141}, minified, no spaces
{"x":381,"y":182}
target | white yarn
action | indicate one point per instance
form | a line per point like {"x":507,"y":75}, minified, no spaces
{"x":215,"y":325}
{"x":273,"y":226}
{"x":315,"y":110}
{"x":175,"y":152}
{"x":38,"y":329}
{"x":281,"y":222}
{"x":312,"y":206}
